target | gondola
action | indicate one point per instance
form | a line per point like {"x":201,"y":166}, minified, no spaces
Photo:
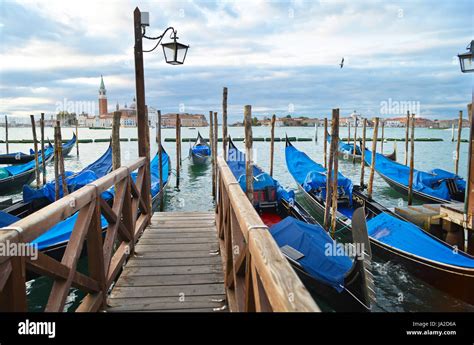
{"x":36,"y":198}
{"x":54,"y":242}
{"x":391,"y":236}
{"x":346,"y":150}
{"x":13,"y":177}
{"x":435,"y":186}
{"x":21,"y":158}
{"x":345,"y":284}
{"x":200,"y":152}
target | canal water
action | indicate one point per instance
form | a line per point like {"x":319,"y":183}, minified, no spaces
{"x":396,"y":289}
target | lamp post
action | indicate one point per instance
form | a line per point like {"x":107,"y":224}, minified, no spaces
{"x":175,"y":53}
{"x":467,"y":66}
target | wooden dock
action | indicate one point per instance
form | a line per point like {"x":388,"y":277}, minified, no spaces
{"x":176,"y":267}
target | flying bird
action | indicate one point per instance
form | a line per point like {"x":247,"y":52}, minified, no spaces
{"x":342,"y":63}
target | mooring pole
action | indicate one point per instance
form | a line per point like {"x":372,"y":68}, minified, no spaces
{"x":348,"y":132}
{"x":383,"y":135}
{"x":329,"y":175}
{"x":216,"y":146}
{"x":116,"y":161}
{"x":160,"y":159}
{"x":362,"y":162}
{"x":335,"y":137}
{"x":56,"y":164}
{"x":458,"y":144}
{"x":213,"y":157}
{"x":248,"y":152}
{"x":325,"y":142}
{"x":142,"y":116}
{"x":6,"y":134}
{"x":412,"y":160}
{"x":272,"y":144}
{"x":452,"y":132}
{"x":224,"y":123}
{"x":407,"y":127}
{"x":469,"y":197}
{"x":355,"y":142}
{"x":35,"y":146}
{"x":372,"y":162}
{"x":61,"y":160}
{"x":316,"y":127}
{"x":77,"y":137}
{"x":43,"y":162}
{"x":178,"y":150}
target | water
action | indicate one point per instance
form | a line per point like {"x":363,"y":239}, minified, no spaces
{"x":396,"y":289}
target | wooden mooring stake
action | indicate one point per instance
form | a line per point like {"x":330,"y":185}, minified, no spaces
{"x":77,"y":137}
{"x":362,"y":162}
{"x":6,"y":134}
{"x":406,"y":137}
{"x":355,"y":142}
{"x":348,"y":132}
{"x":329,"y":174}
{"x":325,"y":142}
{"x":213,"y":157}
{"x":35,"y":146}
{"x":216,"y":145}
{"x":160,"y":159}
{"x":43,"y":161}
{"x":383,"y":136}
{"x":62,"y":169}
{"x":412,"y":160}
{"x":372,"y":162}
{"x":248,"y":152}
{"x":272,"y":144}
{"x":178,"y":149}
{"x":335,"y":171}
{"x":224,"y":123}
{"x":316,"y":128}
{"x":458,"y":144}
{"x":116,"y":161}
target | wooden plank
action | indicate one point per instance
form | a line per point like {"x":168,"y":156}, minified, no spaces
{"x":186,"y":229}
{"x":168,"y":306}
{"x":172,"y":290}
{"x":178,"y":240}
{"x":175,"y":247}
{"x":166,"y":235}
{"x":171,"y":270}
{"x":133,"y":302}
{"x":144,"y":262}
{"x":174,"y":255}
{"x":175,"y":279}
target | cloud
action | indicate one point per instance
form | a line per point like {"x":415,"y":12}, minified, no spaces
{"x":270,"y":54}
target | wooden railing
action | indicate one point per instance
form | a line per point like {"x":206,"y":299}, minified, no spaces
{"x":257,"y":275}
{"x":127,"y":218}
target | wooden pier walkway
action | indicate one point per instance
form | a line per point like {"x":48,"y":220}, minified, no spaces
{"x":176,"y":267}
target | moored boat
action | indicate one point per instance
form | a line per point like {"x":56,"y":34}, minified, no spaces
{"x":391,"y":237}
{"x":200,"y":152}
{"x":346,"y":150}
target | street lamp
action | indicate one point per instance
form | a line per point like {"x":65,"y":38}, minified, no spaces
{"x":465,"y":59}
{"x":175,"y":53}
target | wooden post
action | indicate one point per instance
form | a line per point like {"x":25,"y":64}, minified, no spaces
{"x":335,"y":171}
{"x":56,"y":164}
{"x":116,"y":161}
{"x":372,"y":162}
{"x":35,"y":146}
{"x":412,"y":160}
{"x":348,"y":132}
{"x":6,"y":134}
{"x":458,"y":144}
{"x":61,"y":160}
{"x":160,"y":159}
{"x":325,"y":142}
{"x":452,"y":132}
{"x":77,"y":136}
{"x":272,"y":144}
{"x":178,"y":153}
{"x":383,"y":136}
{"x":213,"y":157}
{"x":316,"y":127}
{"x":248,"y":152}
{"x":329,"y":184}
{"x":224,"y":123}
{"x":355,"y":142}
{"x":43,"y":162}
{"x":142,"y":116}
{"x":216,"y":138}
{"x":469,"y":198}
{"x":406,"y":137}
{"x":362,"y":163}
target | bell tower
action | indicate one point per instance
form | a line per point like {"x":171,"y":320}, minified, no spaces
{"x":102,"y":97}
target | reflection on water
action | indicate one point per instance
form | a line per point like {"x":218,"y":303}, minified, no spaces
{"x":396,"y":289}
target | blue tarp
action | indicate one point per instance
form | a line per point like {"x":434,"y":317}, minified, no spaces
{"x":409,"y":238}
{"x":346,"y":148}
{"x":7,"y":219}
{"x":87,"y":175}
{"x":236,"y":163}
{"x":313,"y":241}
{"x":311,"y":175}
{"x":21,"y":168}
{"x":202,"y":150}
{"x":429,"y":182}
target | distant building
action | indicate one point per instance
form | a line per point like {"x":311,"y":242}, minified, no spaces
{"x":102,"y":97}
{"x":187,"y":120}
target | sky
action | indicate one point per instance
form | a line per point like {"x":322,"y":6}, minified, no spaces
{"x":281,"y":57}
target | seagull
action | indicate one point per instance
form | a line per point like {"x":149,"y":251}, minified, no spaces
{"x":342,"y":63}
